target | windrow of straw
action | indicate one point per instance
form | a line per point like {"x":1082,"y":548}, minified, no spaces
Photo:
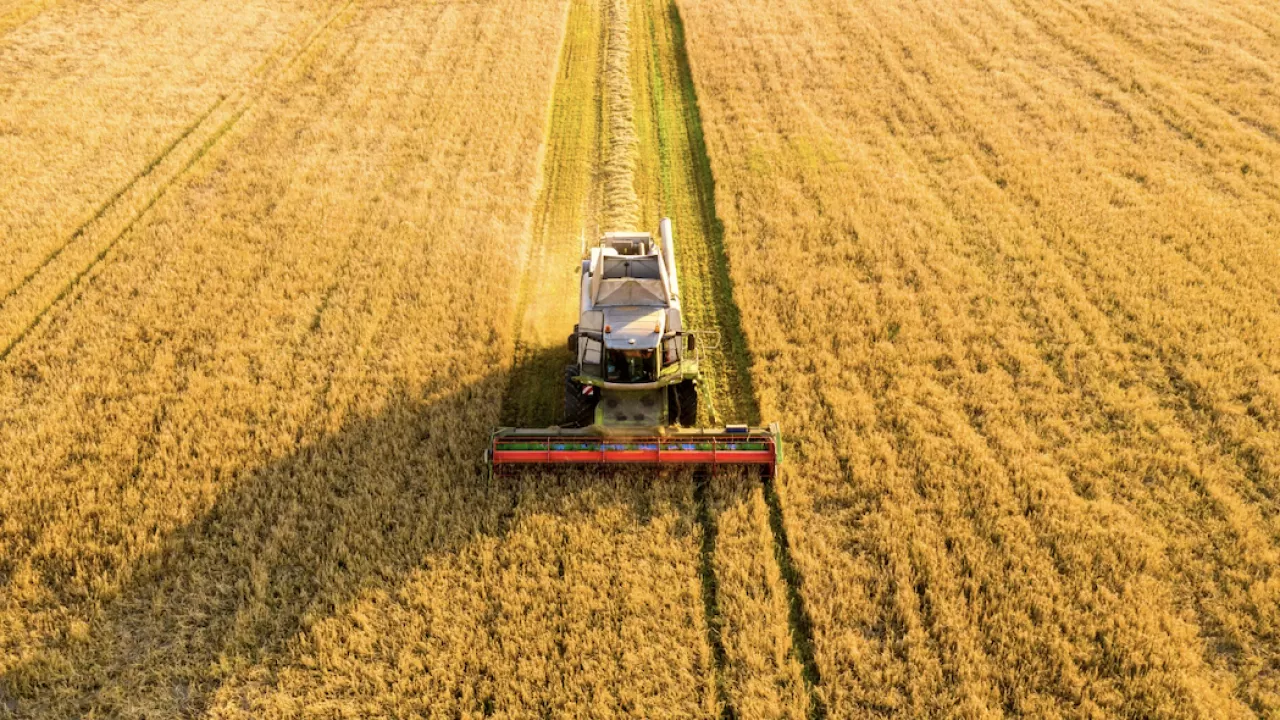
{"x":621,"y":207}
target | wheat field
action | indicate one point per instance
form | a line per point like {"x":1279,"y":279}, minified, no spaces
{"x":1008,"y":272}
{"x":1004,"y":270}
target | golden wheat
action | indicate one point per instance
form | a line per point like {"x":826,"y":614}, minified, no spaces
{"x":91,"y":96}
{"x":257,"y":417}
{"x":1006,"y":273}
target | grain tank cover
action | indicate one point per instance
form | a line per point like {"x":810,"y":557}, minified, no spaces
{"x":641,"y":267}
{"x":629,"y":291}
{"x":632,"y":328}
{"x":631,"y":280}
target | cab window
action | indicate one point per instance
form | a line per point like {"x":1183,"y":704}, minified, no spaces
{"x":631,"y":366}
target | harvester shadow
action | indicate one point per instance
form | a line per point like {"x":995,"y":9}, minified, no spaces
{"x":535,"y":393}
{"x":289,"y":544}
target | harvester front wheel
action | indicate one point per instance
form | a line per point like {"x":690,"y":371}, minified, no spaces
{"x":682,"y":401}
{"x":579,"y":400}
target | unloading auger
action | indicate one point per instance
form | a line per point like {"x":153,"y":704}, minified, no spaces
{"x":631,"y":397}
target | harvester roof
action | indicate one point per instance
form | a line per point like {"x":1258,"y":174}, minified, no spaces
{"x":633,"y":328}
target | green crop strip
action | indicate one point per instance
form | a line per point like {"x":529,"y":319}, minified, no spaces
{"x":688,"y":196}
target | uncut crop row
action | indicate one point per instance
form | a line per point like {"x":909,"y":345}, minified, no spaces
{"x":1007,"y":272}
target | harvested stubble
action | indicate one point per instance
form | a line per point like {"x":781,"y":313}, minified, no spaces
{"x":1008,"y":274}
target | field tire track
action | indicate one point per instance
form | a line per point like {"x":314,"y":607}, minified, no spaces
{"x":246,"y":100}
{"x":321,"y":402}
{"x":110,"y":201}
{"x":730,"y":379}
{"x":258,"y":72}
{"x":71,"y":284}
{"x":711,"y":590}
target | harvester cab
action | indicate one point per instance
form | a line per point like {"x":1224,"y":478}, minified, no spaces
{"x":631,"y":394}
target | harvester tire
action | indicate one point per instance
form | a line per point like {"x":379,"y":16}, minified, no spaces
{"x":682,"y":402}
{"x":579,"y":407}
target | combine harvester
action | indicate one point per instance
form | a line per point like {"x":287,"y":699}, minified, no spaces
{"x":632,"y":396}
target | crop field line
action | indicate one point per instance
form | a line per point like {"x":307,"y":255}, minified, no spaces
{"x":376,"y":325}
{"x":1210,"y":115}
{"x":820,"y":397}
{"x":70,"y":285}
{"x":249,"y":99}
{"x":1195,"y":128}
{"x":687,"y":194}
{"x":1191,"y":123}
{"x":620,"y":204}
{"x":1119,"y":328}
{"x":1195,"y":416}
{"x":1198,"y":416}
{"x":1239,"y":499}
{"x":798,"y":613}
{"x":372,"y":327}
{"x":1215,"y":102}
{"x":259,"y":78}
{"x":321,"y":403}
{"x":711,"y":590}
{"x":565,"y":211}
{"x":111,"y":200}
{"x":259,"y":72}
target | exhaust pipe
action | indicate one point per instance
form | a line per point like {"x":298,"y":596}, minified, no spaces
{"x":669,"y":254}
